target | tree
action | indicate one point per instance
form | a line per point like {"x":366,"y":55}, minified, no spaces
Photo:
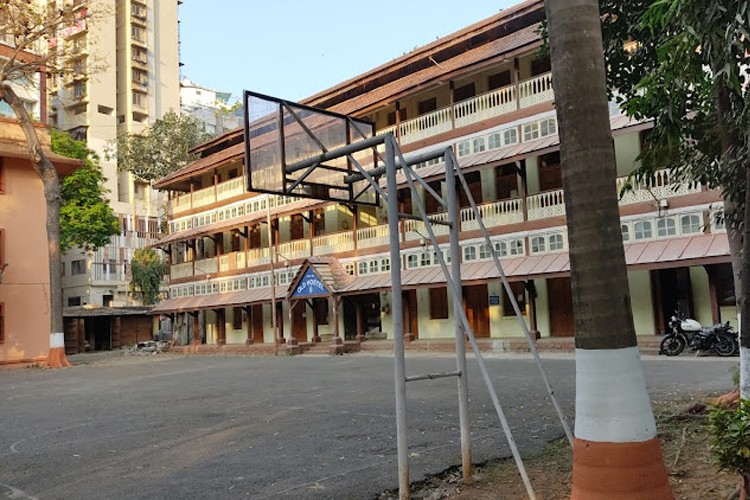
{"x":688,"y":71}
{"x":147,"y":269}
{"x":616,"y":452}
{"x":24,"y":28}
{"x":161,"y":149}
{"x":86,"y":219}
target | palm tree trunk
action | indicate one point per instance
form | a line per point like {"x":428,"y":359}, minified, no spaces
{"x":616,"y":452}
{"x":51,"y":182}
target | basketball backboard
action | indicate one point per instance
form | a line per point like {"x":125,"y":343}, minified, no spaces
{"x":280,"y":134}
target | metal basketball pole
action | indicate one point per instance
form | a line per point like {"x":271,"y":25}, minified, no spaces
{"x":462,"y":380}
{"x":397,"y":315}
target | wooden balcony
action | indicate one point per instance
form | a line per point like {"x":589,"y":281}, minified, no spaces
{"x":499,"y":102}
{"x":493,"y":214}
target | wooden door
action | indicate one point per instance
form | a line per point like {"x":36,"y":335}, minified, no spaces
{"x":299,"y":321}
{"x":560,"y":300}
{"x":550,"y":173}
{"x":474,"y":180}
{"x":256,"y":313}
{"x":431,"y":205}
{"x":411,"y":323}
{"x":477,"y":305}
{"x":506,"y":182}
{"x":255,"y":236}
{"x":297,"y":227}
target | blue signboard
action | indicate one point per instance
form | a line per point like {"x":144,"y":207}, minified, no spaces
{"x":494,"y":300}
{"x":309,"y":285}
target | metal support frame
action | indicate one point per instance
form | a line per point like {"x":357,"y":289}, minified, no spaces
{"x":394,"y":160}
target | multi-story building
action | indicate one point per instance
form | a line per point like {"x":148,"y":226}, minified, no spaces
{"x":212,"y":108}
{"x":486,"y":92}
{"x":125,"y":75}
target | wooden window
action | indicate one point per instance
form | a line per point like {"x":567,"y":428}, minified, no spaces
{"x":539,"y":66}
{"x":2,"y":322}
{"x":439,"y":303}
{"x":427,"y":105}
{"x":498,"y":80}
{"x":237,"y":318}
{"x":321,"y":310}
{"x":464,"y":92}
{"x":519,"y":292}
{"x":78,"y":267}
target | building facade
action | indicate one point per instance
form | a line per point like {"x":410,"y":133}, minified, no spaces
{"x":125,"y":75}
{"x":485,"y":92}
{"x":24,"y":272}
{"x":212,"y":108}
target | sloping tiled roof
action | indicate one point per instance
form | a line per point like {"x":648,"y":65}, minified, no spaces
{"x":62,"y":164}
{"x":708,"y":248}
{"x":513,"y":41}
{"x":425,"y":51}
{"x":227,"y":155}
{"x":218,"y":300}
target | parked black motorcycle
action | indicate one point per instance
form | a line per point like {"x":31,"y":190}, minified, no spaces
{"x":720,"y":339}
{"x":683,"y":332}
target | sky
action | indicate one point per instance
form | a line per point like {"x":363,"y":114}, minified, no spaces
{"x":293,"y":49}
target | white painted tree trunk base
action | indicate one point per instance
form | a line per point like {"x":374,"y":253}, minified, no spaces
{"x":744,"y":372}
{"x":612,"y":403}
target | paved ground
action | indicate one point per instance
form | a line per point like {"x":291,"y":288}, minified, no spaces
{"x":291,"y":427}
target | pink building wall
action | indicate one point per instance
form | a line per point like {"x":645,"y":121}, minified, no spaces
{"x":24,"y":290}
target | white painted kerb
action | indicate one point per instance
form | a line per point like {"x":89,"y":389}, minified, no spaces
{"x":56,"y":340}
{"x":612,"y":404}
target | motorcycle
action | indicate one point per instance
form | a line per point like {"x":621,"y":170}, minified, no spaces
{"x":685,"y":332}
{"x":718,"y":338}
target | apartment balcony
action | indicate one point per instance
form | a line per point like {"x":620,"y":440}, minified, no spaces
{"x":499,"y":102}
{"x":140,"y":85}
{"x":138,"y":42}
{"x":140,"y":62}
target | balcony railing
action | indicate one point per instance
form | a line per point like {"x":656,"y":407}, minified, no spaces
{"x":332,"y":243}
{"x":546,"y":204}
{"x":536,"y":90}
{"x":181,"y":270}
{"x":415,"y":229}
{"x":231,"y":188}
{"x":496,"y":213}
{"x":207,"y":266}
{"x":294,"y":249}
{"x":482,"y":107}
{"x":257,"y":256}
{"x":658,"y":186}
{"x":373,"y":236}
{"x":499,"y":102}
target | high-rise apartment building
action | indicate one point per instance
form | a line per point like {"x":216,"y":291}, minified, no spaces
{"x":211,"y":107}
{"x":125,"y":75}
